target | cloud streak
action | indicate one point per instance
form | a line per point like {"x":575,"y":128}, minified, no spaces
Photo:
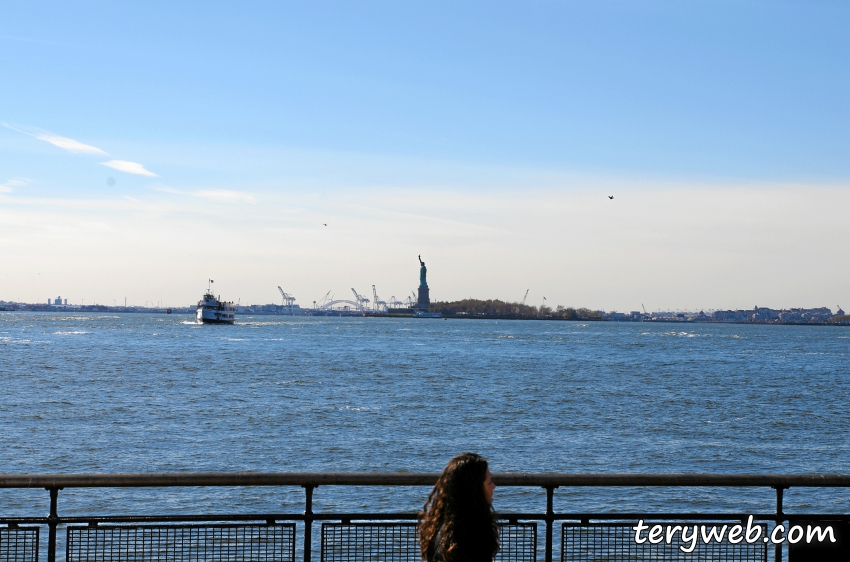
{"x":221,"y":195}
{"x":224,"y":195}
{"x":65,"y":143}
{"x":9,"y":185}
{"x":129,"y":167}
{"x":70,"y":145}
{"x":77,"y":147}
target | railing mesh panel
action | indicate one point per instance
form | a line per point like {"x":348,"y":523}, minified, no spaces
{"x":182,"y":543}
{"x":399,"y":542}
{"x":517,"y":542}
{"x":19,"y":544}
{"x":370,"y":542}
{"x":616,"y":543}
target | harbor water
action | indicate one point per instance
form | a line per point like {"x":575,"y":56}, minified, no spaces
{"x":111,"y":393}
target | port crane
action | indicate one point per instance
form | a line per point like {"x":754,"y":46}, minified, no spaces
{"x":288,"y":299}
{"x":362,"y":302}
{"x":525,"y":297}
{"x":377,"y":304}
{"x":322,"y":302}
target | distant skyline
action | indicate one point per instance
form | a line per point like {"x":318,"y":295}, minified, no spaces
{"x":145,"y":149}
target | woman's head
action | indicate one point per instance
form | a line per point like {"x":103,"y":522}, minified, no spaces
{"x":458,"y":519}
{"x":467,"y":479}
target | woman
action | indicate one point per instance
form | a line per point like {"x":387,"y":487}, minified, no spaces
{"x":457,"y":523}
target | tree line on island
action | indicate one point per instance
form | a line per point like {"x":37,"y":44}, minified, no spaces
{"x":490,"y":307}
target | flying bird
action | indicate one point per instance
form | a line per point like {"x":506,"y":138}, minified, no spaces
{"x":325,"y":224}
{"x":610,"y":197}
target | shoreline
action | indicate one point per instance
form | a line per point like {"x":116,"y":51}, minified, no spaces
{"x":408,"y":314}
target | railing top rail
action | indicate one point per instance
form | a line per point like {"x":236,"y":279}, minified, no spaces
{"x":410,"y":479}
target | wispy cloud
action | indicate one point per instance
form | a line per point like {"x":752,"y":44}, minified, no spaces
{"x":70,"y":145}
{"x":166,"y":189}
{"x":9,"y":185}
{"x":224,"y":195}
{"x":129,"y":167}
{"x":65,"y":143}
{"x":212,"y":194}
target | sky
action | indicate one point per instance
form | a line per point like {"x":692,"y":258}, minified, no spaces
{"x":146,"y":148}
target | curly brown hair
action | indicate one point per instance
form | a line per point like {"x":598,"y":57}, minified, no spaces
{"x":457,"y":523}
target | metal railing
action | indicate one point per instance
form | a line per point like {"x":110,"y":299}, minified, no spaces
{"x":310,"y":481}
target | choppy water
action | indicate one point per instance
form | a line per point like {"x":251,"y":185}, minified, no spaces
{"x":149,"y":393}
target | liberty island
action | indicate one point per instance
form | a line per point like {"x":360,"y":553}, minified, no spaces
{"x":423,"y":303}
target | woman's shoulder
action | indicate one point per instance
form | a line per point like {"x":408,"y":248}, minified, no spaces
{"x":437,"y":548}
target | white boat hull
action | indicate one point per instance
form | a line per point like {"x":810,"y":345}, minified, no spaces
{"x":213,"y":317}
{"x":211,"y":311}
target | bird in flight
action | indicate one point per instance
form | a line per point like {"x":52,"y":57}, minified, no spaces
{"x":325,"y":224}
{"x":610,"y":197}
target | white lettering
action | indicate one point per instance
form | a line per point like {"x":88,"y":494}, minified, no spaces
{"x":751,"y":529}
{"x":778,"y":529}
{"x":735,"y":534}
{"x":691,"y":539}
{"x":810,"y":532}
{"x":713,"y":535}
{"x":656,"y":534}
{"x":640,"y":527}
{"x":751,"y":532}
{"x":670,"y":532}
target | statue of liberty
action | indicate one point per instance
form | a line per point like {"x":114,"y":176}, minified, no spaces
{"x":422,"y":272}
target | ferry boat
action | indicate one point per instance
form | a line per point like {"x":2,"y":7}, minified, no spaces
{"x":213,"y":311}
{"x":423,"y":314}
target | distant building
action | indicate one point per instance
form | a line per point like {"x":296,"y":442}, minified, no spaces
{"x":764,"y":315}
{"x":805,"y":315}
{"x":701,"y":317}
{"x":732,"y":315}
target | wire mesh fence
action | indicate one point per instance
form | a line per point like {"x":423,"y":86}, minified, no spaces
{"x":19,"y":544}
{"x":517,"y":542}
{"x":615,"y":542}
{"x":399,"y":542}
{"x":370,"y":542}
{"x":181,"y":543}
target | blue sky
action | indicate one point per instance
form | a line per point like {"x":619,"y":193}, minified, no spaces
{"x":245,"y":126}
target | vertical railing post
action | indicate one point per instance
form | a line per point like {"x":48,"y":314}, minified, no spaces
{"x":308,"y":521}
{"x":52,"y":522}
{"x":780,"y":517}
{"x":550,"y":520}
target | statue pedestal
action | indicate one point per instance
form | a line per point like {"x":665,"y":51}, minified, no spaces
{"x":424,"y":301}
